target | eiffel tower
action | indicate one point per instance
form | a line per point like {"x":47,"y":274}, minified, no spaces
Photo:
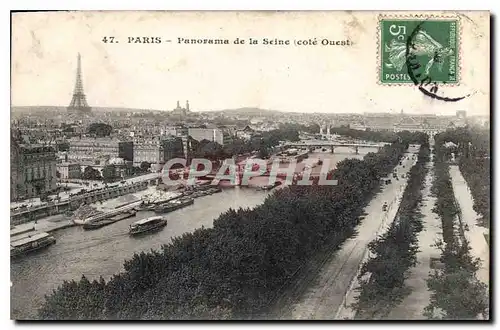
{"x":79,"y":102}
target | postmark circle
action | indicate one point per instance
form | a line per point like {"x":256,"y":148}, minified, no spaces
{"x":421,"y":47}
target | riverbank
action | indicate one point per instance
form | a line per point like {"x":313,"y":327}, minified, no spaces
{"x":102,"y":252}
{"x":48,"y":225}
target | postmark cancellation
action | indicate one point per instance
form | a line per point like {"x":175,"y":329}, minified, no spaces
{"x":418,"y":49}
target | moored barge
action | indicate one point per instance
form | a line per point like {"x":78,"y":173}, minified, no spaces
{"x":104,"y":222}
{"x":174,"y":205}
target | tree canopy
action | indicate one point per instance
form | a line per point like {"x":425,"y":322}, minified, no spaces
{"x":109,"y":173}
{"x":473,"y":153}
{"x":394,"y":252}
{"x":456,"y":293}
{"x":90,"y":173}
{"x":237,"y":268}
{"x":99,"y":129}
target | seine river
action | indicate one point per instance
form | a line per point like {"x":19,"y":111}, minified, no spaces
{"x":102,"y":252}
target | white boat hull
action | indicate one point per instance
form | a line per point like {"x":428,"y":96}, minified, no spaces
{"x":78,"y":221}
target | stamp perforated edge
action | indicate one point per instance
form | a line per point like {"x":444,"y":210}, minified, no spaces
{"x":443,"y":17}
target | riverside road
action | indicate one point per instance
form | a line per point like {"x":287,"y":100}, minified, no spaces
{"x":322,"y":299}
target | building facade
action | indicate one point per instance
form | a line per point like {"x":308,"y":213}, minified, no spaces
{"x":33,"y":170}
{"x":157,"y":150}
{"x":69,"y":171}
{"x":146,"y":150}
{"x":172,"y":147}
{"x":175,"y":131}
{"x":90,"y":148}
{"x":211,"y":134}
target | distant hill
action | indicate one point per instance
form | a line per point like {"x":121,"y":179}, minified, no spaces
{"x":41,"y":108}
{"x":255,"y":112}
{"x":248,"y":111}
{"x":36,"y":109}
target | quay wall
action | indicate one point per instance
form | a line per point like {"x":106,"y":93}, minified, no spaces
{"x":52,"y":208}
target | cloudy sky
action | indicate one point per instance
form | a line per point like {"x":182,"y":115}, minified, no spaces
{"x":289,"y":78}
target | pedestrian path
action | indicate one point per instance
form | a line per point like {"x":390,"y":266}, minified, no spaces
{"x":48,"y":224}
{"x":412,"y":306}
{"x":474,"y":233}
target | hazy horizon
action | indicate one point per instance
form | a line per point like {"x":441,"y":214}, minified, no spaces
{"x":216,"y":77}
{"x":252,"y":108}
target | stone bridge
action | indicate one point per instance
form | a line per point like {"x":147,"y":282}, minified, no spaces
{"x":311,"y":145}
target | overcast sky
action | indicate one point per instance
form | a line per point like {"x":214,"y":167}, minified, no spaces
{"x":289,"y":78}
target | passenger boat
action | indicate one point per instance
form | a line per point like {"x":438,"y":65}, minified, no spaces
{"x":27,"y":244}
{"x":147,"y":225}
{"x":174,"y":205}
{"x":104,"y":222}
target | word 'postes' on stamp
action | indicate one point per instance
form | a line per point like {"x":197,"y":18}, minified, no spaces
{"x":433,"y":45}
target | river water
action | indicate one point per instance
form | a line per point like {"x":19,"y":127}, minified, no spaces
{"x":102,"y":252}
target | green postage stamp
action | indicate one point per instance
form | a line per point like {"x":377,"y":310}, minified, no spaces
{"x":418,"y":50}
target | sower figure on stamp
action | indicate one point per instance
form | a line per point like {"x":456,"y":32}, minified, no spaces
{"x":423,"y":44}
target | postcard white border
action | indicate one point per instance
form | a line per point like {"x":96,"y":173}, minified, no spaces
{"x":378,"y":5}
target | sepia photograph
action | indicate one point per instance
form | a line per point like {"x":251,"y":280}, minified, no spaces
{"x":250,"y":165}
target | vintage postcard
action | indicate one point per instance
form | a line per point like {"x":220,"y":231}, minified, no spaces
{"x":172,"y":165}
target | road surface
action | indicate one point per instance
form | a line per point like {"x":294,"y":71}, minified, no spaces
{"x":325,"y":296}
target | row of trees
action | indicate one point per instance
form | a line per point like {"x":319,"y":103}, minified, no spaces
{"x":476,"y":172}
{"x":473,"y":151}
{"x":456,"y":293}
{"x":110,"y":172}
{"x":381,"y":136}
{"x":382,"y":276}
{"x":237,"y":268}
